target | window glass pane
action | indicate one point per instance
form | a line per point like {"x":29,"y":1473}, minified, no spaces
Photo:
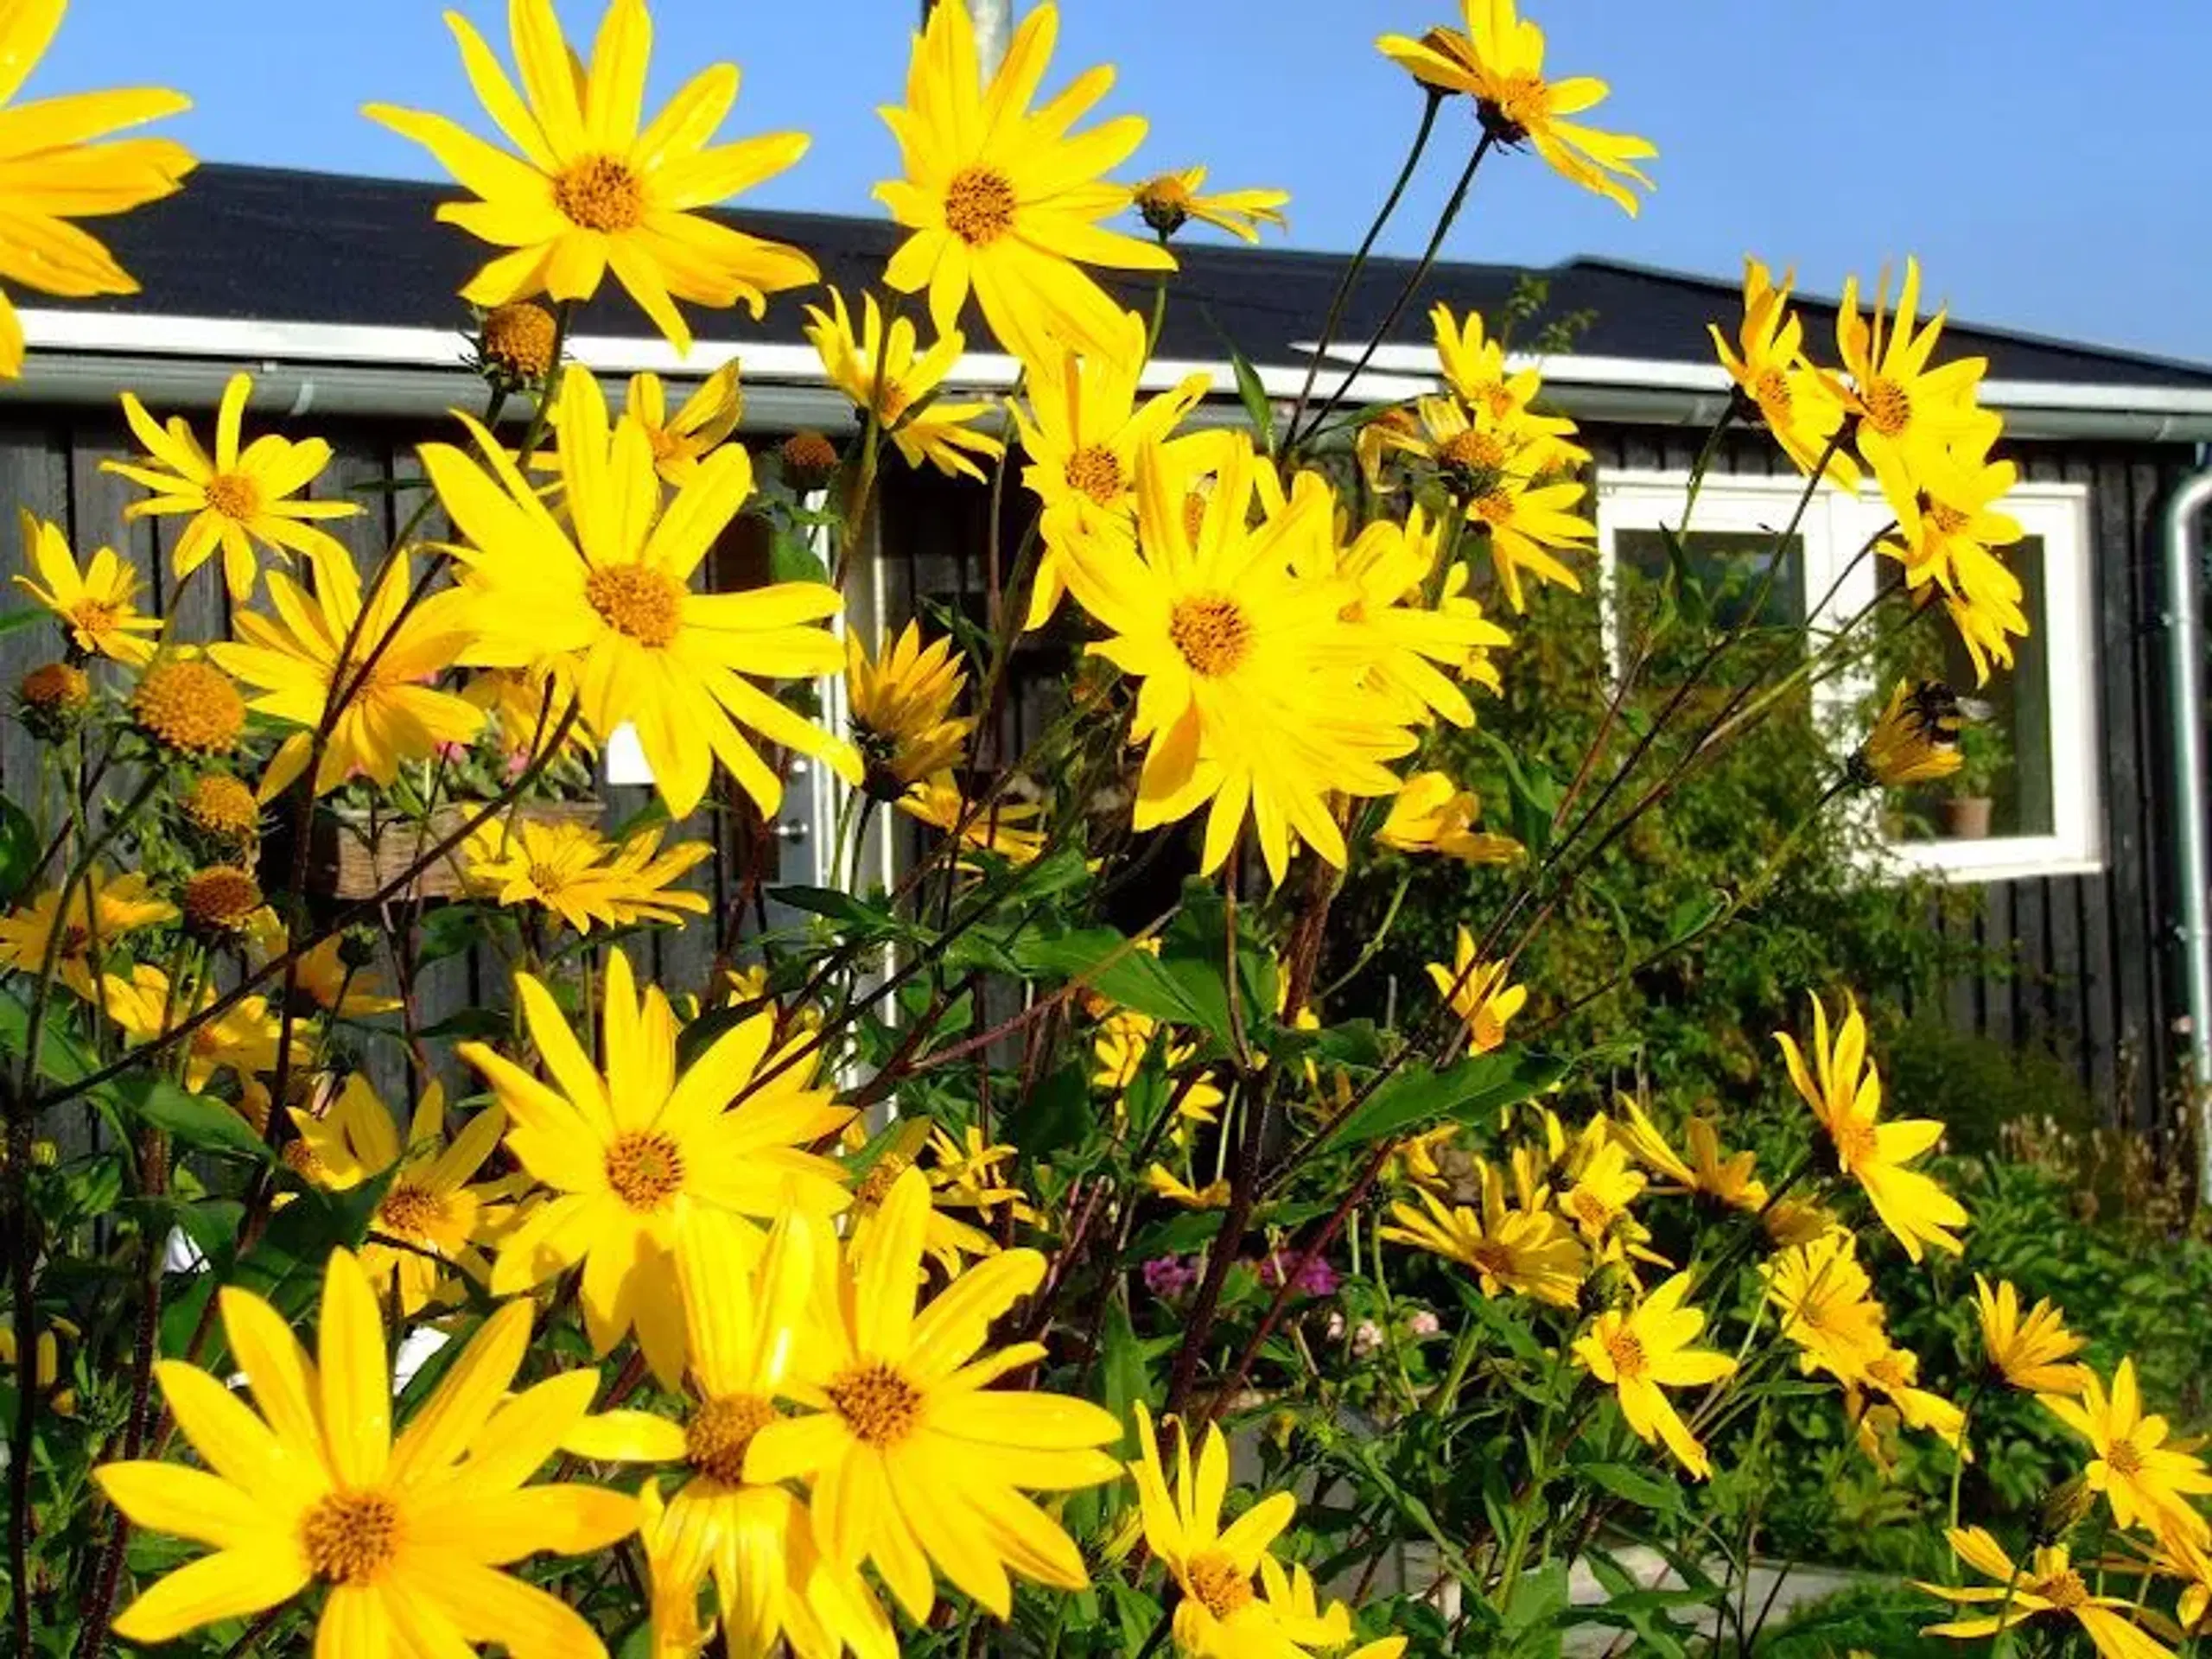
{"x":1724,"y":574}
{"x":2008,"y":751}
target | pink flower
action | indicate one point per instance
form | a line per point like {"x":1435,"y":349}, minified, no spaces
{"x":1170,"y":1277}
{"x":1424,"y":1324}
{"x":1316,"y":1278}
{"x":1367,"y":1339}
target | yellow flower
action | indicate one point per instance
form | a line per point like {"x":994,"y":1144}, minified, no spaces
{"x":56,"y":174}
{"x":102,"y":909}
{"x":1802,"y":406}
{"x":2034,"y":1353}
{"x":238,"y":498}
{"x":913,"y":1459}
{"x":2147,"y":1482}
{"x":1948,"y":531}
{"x":185,"y":704}
{"x":1167,"y":201}
{"x":299,"y":662}
{"x":1528,"y":1251}
{"x":1390,"y":566}
{"x":524,"y":706}
{"x":1845,"y":1092}
{"x":1252,"y":700}
{"x":1431,"y":814}
{"x":882,"y":374}
{"x":1727,"y":1180}
{"x":947,"y":1240}
{"x":965,"y":1173}
{"x":1529,"y":526}
{"x":325,"y":978}
{"x":702,"y":425}
{"x":746,"y":1308}
{"x":46,"y":1363}
{"x":1827,"y":1306}
{"x":429,"y":1215}
{"x":405,"y":1535}
{"x":1896,"y":1373}
{"x":1497,"y":396}
{"x":1598,"y":1199}
{"x":2046,"y":1583}
{"x":1005,"y":828}
{"x":1003,"y":199}
{"x":1915,"y":740}
{"x":1118,"y":1050}
{"x":94,"y":605}
{"x":572,"y":870}
{"x":1458,"y":602}
{"x":901,"y":707}
{"x":590,"y":190}
{"x":1907,"y":413}
{"x":1499,"y":62}
{"x":1220,"y":1613}
{"x":629,"y":1151}
{"x":1477,"y":993}
{"x":243,"y":1039}
{"x":613,"y":601}
{"x":1638,"y":1352}
{"x":1166,"y":1184}
{"x":1082,"y":430}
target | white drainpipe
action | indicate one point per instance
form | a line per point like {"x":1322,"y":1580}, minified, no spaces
{"x":2185,"y":662}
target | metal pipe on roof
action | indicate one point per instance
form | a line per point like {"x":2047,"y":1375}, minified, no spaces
{"x":993,"y":22}
{"x":2185,"y":696}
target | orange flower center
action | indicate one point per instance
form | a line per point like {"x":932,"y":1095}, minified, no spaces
{"x":715,"y":1438}
{"x":234,"y":495}
{"x":638,"y":601}
{"x":644,"y":1170}
{"x":1217,"y":1585}
{"x":1516,"y":104}
{"x":979,"y":206}
{"x":1194,"y":513}
{"x":600,"y":194}
{"x":1888,"y":406}
{"x":879,"y":1406}
{"x":1592,"y":1212}
{"x":1491,"y":1258}
{"x":1626,"y":1350}
{"x":410,"y":1211}
{"x":1948,"y":520}
{"x":1494,"y":509}
{"x":1095,"y":472}
{"x":189,"y":705}
{"x":1770,"y":390}
{"x":350,"y":1537}
{"x":2064,"y":1592}
{"x":2124,"y":1460}
{"x":1211,"y":632}
{"x":667,"y":444}
{"x":875,"y":1186}
{"x":1854,"y":1142}
{"x":220,"y":897}
{"x":94,"y":615}
{"x":547,"y":879}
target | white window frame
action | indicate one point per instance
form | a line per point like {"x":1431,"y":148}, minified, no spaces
{"x":1834,"y":526}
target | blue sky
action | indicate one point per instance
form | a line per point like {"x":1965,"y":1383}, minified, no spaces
{"x":2051,"y":171}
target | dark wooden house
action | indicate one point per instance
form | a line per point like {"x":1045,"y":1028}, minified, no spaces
{"x":339,"y":295}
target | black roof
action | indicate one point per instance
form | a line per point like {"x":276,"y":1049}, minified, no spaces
{"x":275,"y":244}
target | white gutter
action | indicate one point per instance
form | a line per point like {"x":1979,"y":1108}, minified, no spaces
{"x":2185,"y":711}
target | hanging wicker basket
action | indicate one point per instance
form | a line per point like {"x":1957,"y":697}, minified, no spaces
{"x":356,"y":857}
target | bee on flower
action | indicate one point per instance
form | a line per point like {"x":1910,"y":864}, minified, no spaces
{"x":1914,"y":741}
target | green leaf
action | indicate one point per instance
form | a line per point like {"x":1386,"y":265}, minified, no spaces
{"x":1107,"y":961}
{"x":16,"y":621}
{"x":198,"y":1121}
{"x":19,"y":851}
{"x":792,"y":558}
{"x":1477,"y":1086}
{"x":839,"y":906}
{"x":449,"y":931}
{"x":1645,"y":1491}
{"x":1055,"y":1115}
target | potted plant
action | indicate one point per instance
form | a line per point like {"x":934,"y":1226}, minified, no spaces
{"x":1965,"y":809}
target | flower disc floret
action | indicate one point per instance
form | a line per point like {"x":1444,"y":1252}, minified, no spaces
{"x":189,"y":706}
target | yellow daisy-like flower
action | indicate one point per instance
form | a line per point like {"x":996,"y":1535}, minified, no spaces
{"x":1432,"y":814}
{"x":243,"y":1039}
{"x":1477,"y":993}
{"x":572,"y":870}
{"x":1253,"y":700}
{"x":2034,"y":1353}
{"x":405,"y":1535}
{"x":628,"y":1150}
{"x":1948,"y":532}
{"x":299,"y":662}
{"x":524,"y":706}
{"x":101,"y":908}
{"x":1474,"y":366}
{"x":1082,"y":430}
{"x":1802,"y":406}
{"x":1844,"y":1090}
{"x":1167,"y":201}
{"x":326,"y":978}
{"x":746,"y":1309}
{"x":240,"y":499}
{"x":610,"y":597}
{"x":431,"y":1218}
{"x":1728,"y":1179}
{"x":913,"y":1460}
{"x":1529,"y":525}
{"x":1896,"y":1373}
{"x":2147,"y":1482}
{"x":1389,"y":565}
{"x":1528,"y":1251}
{"x":1499,"y":62}
{"x":1005,"y":827}
{"x":1908,"y":413}
{"x":96,"y":605}
{"x":1118,"y":1050}
{"x":901,"y":705}
{"x":55,"y":172}
{"x":702,"y":425}
{"x":945,"y":1239}
{"x":1002,"y":199}
{"x":1221,"y":1612}
{"x":595,"y":188}
{"x":883,"y":374}
{"x":1914,"y":741}
{"x":1639,"y":1352}
{"x":1165,"y":1183}
{"x":2046,"y":1583}
{"x":1827,"y":1306}
{"x":966,"y":1173}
